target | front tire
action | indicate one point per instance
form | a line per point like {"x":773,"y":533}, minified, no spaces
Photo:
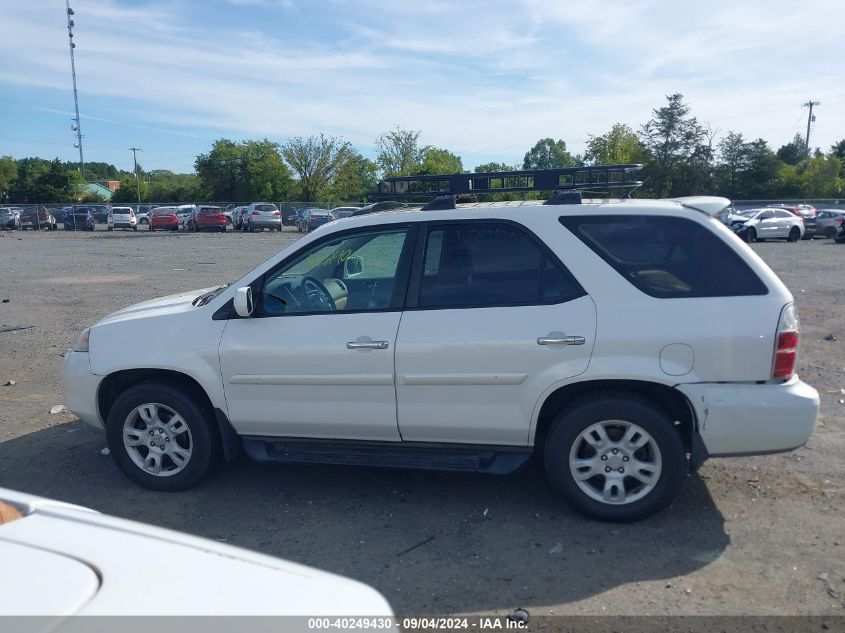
{"x":618,"y":458}
{"x":160,"y":437}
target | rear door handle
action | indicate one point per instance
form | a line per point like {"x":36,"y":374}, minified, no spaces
{"x":561,"y":340}
{"x":367,"y":345}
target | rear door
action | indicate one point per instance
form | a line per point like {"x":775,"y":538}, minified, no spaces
{"x":493,"y":319}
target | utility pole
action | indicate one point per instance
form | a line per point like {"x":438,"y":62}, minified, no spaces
{"x":810,"y":119}
{"x":137,"y":180}
{"x":75,"y":126}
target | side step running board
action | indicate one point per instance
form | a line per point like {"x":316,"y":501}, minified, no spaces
{"x":496,"y":460}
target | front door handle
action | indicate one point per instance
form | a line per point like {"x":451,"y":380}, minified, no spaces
{"x":561,"y":340}
{"x":367,"y":345}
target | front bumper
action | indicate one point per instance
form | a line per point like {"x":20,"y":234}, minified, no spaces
{"x":80,"y":388}
{"x":748,"y":419}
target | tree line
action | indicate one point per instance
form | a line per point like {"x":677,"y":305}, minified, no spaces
{"x":680,"y":156}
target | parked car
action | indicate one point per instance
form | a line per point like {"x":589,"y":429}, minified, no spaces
{"x":473,"y":338}
{"x":318,"y":217}
{"x":10,"y":219}
{"x":62,"y":560}
{"x":302,"y":220}
{"x":238,"y":218}
{"x":184,"y":213}
{"x":206,"y":218}
{"x":829,"y":222}
{"x":806,"y":212}
{"x":59,"y":214}
{"x":79,"y":219}
{"x":37,"y":218}
{"x":263,"y":215}
{"x":289,"y":216}
{"x":343,"y":212}
{"x":757,"y":225}
{"x":164,"y":218}
{"x":122,"y":218}
{"x":142,"y":213}
{"x":100,"y":212}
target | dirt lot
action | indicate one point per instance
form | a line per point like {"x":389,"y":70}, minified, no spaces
{"x":746,"y":536}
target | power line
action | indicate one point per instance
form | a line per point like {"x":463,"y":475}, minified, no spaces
{"x":810,"y":119}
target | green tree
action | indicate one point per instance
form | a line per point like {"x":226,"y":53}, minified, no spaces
{"x":436,"y":160}
{"x":486,"y":168}
{"x":680,"y":153}
{"x":250,"y":170}
{"x":8,"y":175}
{"x":166,"y":186}
{"x":548,"y":154}
{"x":793,"y":152}
{"x":760,"y":178}
{"x":820,"y":177}
{"x":399,"y":152}
{"x":128,"y":190}
{"x":838,"y":149}
{"x":733,"y":163}
{"x":620,"y":145}
{"x":42,"y":181}
{"x":355,"y":178}
{"x":316,"y":160}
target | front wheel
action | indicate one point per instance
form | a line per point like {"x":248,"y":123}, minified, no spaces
{"x":160,"y":438}
{"x":618,"y":458}
{"x":794,"y":234}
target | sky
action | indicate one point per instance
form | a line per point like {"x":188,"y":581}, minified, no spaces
{"x":485,"y":79}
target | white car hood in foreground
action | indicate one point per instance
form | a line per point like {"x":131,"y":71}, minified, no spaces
{"x":60,"y":560}
{"x":170,"y":304}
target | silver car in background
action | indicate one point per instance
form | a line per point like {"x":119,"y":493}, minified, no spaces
{"x":263,"y":215}
{"x":9,"y":218}
{"x":829,"y":221}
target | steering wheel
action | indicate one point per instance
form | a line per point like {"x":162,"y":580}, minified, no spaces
{"x":318,"y":296}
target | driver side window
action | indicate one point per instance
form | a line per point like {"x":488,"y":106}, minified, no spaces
{"x":357,"y":272}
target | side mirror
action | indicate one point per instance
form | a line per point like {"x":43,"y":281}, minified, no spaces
{"x":243,"y":302}
{"x":353,"y":266}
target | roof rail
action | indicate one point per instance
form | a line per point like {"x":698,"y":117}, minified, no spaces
{"x":594,"y":178}
{"x":438,"y":204}
{"x":385,"y":205}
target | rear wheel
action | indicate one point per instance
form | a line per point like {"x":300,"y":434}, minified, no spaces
{"x":830,"y":232}
{"x":160,"y":438}
{"x":794,"y":234}
{"x":618,"y":458}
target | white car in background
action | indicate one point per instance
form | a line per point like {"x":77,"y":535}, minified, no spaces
{"x":59,"y":559}
{"x":184,"y":212}
{"x":122,"y":218}
{"x":765,"y":224}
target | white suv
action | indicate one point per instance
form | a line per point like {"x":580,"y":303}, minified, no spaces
{"x":122,"y":218}
{"x":466,"y":339}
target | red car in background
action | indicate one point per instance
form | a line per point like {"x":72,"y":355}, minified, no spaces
{"x":207,"y":218}
{"x":164,"y":218}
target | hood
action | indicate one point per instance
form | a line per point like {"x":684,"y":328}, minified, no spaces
{"x":170,"y":304}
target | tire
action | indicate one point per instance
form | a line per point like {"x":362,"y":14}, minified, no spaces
{"x":110,"y":228}
{"x":135,"y":228}
{"x":618,"y":415}
{"x":124,"y":420}
{"x":250,"y":228}
{"x":751,"y":235}
{"x":830,"y":232}
{"x":794,"y":234}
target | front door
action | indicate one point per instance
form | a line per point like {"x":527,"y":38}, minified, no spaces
{"x":497,"y":320}
{"x":316,"y":360}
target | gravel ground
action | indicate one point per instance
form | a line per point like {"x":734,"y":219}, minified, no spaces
{"x":746,"y":536}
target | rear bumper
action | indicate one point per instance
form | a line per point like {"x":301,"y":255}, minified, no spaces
{"x":748,"y":419}
{"x":80,"y":388}
{"x":265,"y":222}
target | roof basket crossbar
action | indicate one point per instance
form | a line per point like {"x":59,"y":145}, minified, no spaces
{"x":595,"y":178}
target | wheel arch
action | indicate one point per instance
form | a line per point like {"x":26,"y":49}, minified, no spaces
{"x":117,"y":382}
{"x":673,"y":402}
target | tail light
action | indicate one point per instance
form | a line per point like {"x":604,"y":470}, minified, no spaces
{"x":256,"y":213}
{"x":276,"y":213}
{"x":786,"y":344}
{"x":89,"y":218}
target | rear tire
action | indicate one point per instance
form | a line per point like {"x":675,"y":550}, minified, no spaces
{"x":794,"y":234}
{"x":628,"y":456}
{"x":830,"y":232}
{"x":177,"y":438}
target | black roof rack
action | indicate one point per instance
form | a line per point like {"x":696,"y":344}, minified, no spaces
{"x":595,"y":178}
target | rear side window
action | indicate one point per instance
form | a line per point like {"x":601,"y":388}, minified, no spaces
{"x":490,"y":264}
{"x":667,"y":257}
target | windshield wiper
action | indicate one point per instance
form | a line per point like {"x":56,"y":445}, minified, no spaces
{"x":208,"y":296}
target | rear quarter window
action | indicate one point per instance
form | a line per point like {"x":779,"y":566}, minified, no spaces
{"x":667,"y":257}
